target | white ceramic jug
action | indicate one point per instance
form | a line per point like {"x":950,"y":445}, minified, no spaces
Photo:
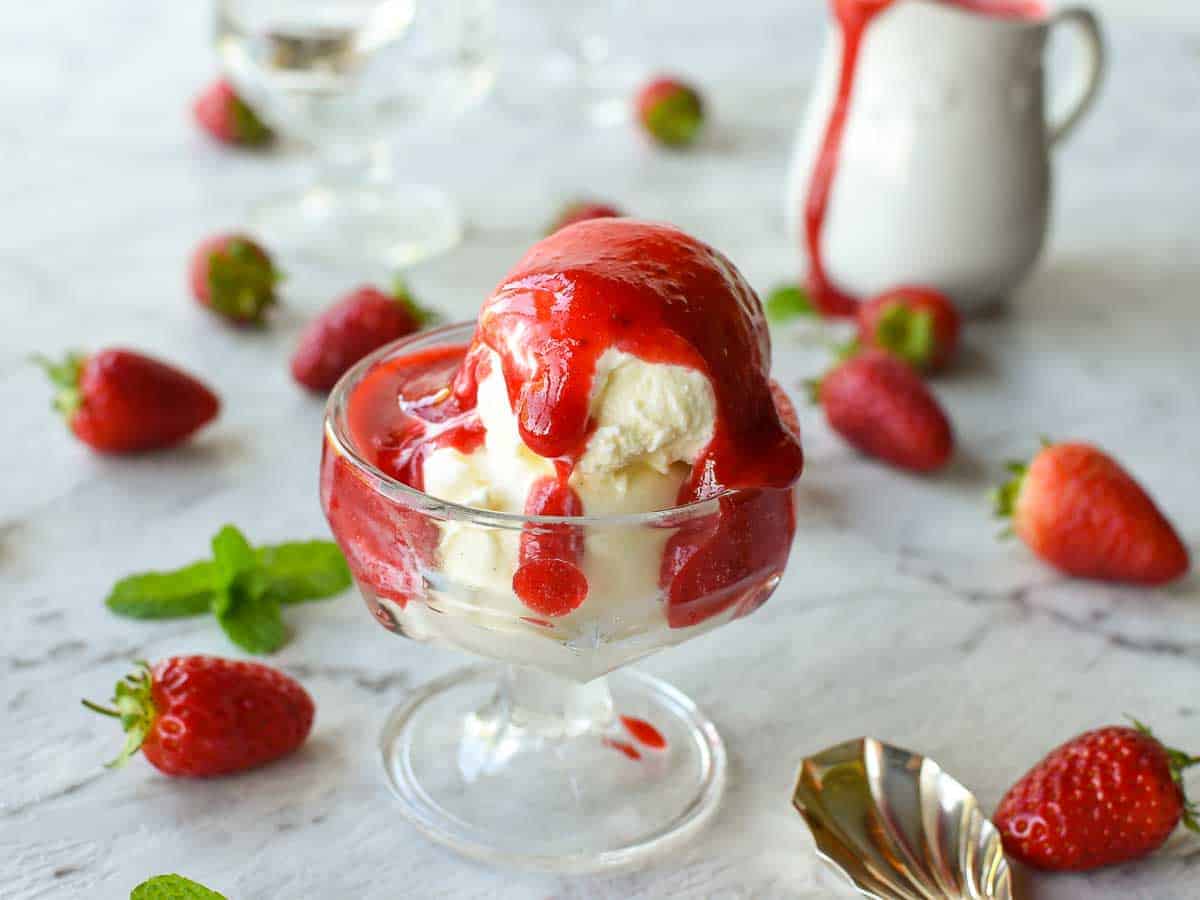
{"x":942,"y":175}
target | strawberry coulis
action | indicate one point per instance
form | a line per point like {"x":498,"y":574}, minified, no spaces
{"x":853,"y":18}
{"x":655,"y":293}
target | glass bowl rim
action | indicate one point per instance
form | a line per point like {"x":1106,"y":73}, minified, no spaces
{"x":336,"y":435}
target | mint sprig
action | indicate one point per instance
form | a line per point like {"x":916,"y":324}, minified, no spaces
{"x":243,"y":587}
{"x":173,"y":887}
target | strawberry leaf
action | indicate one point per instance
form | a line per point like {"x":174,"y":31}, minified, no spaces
{"x":165,"y":595}
{"x":173,"y":887}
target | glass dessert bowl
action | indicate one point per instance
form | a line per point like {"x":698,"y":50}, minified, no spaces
{"x":546,"y":760}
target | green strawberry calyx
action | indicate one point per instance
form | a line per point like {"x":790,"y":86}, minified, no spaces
{"x":423,"y":315}
{"x":1178,"y":761}
{"x":906,"y":333}
{"x":248,"y":128}
{"x":675,"y":117}
{"x":787,"y":302}
{"x":1005,"y":497}
{"x":65,"y":377}
{"x":241,"y":282}
{"x":133,"y":705}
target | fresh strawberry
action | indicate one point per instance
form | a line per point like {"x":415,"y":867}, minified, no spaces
{"x":362,"y":321}
{"x":919,"y":325}
{"x":203,"y":715}
{"x":1076,"y":508}
{"x":234,"y":277}
{"x":225,"y":116}
{"x":1105,"y":797}
{"x":882,"y":407}
{"x":670,"y":111}
{"x":581,"y":211}
{"x":119,"y":401}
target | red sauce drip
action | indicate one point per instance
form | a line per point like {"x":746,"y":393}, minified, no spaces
{"x":623,"y":747}
{"x":644,"y":733}
{"x":853,"y":17}
{"x":548,"y":579}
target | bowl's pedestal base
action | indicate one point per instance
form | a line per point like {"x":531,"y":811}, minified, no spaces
{"x":516,"y":767}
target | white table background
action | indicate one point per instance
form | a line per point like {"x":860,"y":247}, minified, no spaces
{"x":903,"y":616}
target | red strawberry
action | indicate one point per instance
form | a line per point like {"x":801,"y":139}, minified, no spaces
{"x":203,"y":715}
{"x":1076,"y":508}
{"x":670,"y":111}
{"x":234,"y":277}
{"x":581,"y":211}
{"x":882,"y":407}
{"x":360,"y":322}
{"x":119,"y":401}
{"x":1105,"y":797}
{"x":224,"y":115}
{"x":919,"y":325}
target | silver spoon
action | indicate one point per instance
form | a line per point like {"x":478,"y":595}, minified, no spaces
{"x":898,"y":827}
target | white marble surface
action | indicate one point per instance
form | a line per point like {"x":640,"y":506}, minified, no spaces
{"x":902,"y":616}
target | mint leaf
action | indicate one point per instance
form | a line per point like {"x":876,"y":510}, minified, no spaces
{"x":786,"y":302}
{"x":243,"y":587}
{"x":232,"y":554}
{"x":165,"y":595}
{"x":173,"y":887}
{"x":249,"y":616}
{"x":303,"y":570}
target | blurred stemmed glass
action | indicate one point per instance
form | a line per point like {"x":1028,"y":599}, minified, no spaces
{"x":345,"y":76}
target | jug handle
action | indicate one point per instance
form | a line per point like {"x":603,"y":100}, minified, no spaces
{"x":1088,"y":77}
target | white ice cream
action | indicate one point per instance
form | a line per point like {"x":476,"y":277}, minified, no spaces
{"x":651,"y":420}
